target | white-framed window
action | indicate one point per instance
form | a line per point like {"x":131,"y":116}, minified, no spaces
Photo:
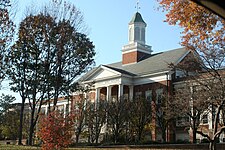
{"x":43,"y":110}
{"x":138,"y":95}
{"x":148,"y":95}
{"x":182,"y":121}
{"x":159,"y":96}
{"x":205,"y":119}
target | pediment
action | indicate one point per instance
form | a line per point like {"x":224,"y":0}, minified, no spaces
{"x":101,"y":73}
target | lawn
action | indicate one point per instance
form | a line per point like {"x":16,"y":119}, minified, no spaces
{"x":17,"y":147}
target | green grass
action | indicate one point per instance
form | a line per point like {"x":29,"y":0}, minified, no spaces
{"x":15,"y":147}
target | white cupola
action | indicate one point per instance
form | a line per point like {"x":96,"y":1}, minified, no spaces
{"x":136,"y":50}
{"x":137,"y":29}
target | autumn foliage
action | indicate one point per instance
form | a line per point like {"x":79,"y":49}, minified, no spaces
{"x":55,"y":131}
{"x":202,"y":30}
{"x":204,"y":33}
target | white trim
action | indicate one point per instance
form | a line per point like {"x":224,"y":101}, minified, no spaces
{"x":102,"y":79}
{"x":181,"y":58}
{"x":98,"y":69}
{"x":148,"y":80}
{"x":134,"y":50}
{"x":153,"y":74}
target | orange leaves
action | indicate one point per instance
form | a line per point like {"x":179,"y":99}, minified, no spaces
{"x":55,"y":131}
{"x":201,"y":28}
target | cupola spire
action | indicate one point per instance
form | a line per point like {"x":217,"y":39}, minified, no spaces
{"x":137,"y":6}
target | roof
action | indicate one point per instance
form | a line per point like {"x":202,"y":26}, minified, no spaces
{"x":155,"y":63}
{"x":158,"y":62}
{"x":137,"y":18}
{"x":87,"y":74}
{"x":217,"y":6}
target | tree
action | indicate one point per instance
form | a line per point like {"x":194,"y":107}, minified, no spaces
{"x":204,"y":34}
{"x":6,"y":30}
{"x":55,"y":130}
{"x":96,"y":120}
{"x":190,"y":101}
{"x":117,"y":117}
{"x":10,"y":124}
{"x":162,"y":114}
{"x":80,"y":109}
{"x":67,"y":64}
{"x":48,"y":56}
{"x":27,"y":59}
{"x":7,"y":117}
{"x":140,"y":115}
{"x":5,"y":103}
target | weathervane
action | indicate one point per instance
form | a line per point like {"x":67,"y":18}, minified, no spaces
{"x":137,"y":7}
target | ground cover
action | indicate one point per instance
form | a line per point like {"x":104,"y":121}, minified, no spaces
{"x":17,"y":147}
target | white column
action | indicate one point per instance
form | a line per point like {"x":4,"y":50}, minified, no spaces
{"x":131,"y":92}
{"x":64,"y":108}
{"x":120,"y":91}
{"x":97,"y":94}
{"x":46,"y":110}
{"x":109,"y":91}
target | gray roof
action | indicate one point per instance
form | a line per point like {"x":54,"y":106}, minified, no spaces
{"x":155,"y":63}
{"x":137,"y":18}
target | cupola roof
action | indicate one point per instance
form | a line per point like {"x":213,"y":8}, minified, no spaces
{"x":137,"y":18}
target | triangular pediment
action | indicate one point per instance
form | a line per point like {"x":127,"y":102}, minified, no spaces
{"x":102,"y":73}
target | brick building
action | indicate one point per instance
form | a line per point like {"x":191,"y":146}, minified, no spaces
{"x":140,"y":73}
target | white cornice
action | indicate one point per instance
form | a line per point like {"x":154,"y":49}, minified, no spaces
{"x":99,"y":68}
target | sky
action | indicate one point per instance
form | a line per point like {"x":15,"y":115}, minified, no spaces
{"x":107,"y":21}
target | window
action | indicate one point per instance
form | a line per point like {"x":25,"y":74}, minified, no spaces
{"x":126,"y":96}
{"x":138,"y":95}
{"x":143,"y":34}
{"x":159,"y":95}
{"x":67,"y":108}
{"x":130,"y":34}
{"x":183,"y":121}
{"x":205,"y":119}
{"x":43,"y":109}
{"x":148,"y":95}
{"x":60,"y":108}
{"x":137,"y":33}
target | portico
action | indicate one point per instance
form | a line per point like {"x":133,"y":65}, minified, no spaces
{"x":114,"y":92}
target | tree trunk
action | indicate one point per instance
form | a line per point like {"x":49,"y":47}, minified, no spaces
{"x":77,"y":138}
{"x":140,"y":134}
{"x":31,"y":131}
{"x":164,"y":135}
{"x":30,"y":140}
{"x":116,"y":136}
{"x":96,"y":138}
{"x":194,"y":136}
{"x":194,"y":129}
{"x":21,"y":122}
{"x":212,"y":145}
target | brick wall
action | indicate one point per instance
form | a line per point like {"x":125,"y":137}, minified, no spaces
{"x":132,"y":57}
